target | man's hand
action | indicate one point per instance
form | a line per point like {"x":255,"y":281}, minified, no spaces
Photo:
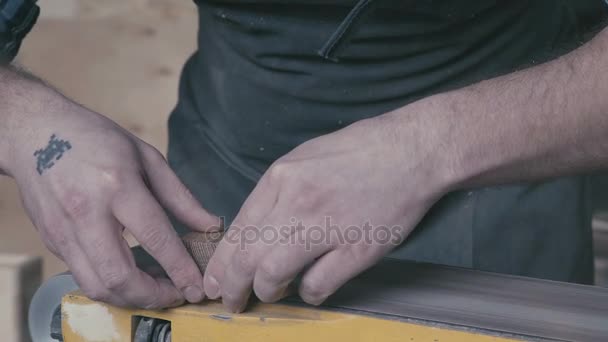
{"x":83,"y":180}
{"x":329,"y":209}
{"x":546,"y":121}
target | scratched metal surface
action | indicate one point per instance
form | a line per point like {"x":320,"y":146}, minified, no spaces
{"x":513,"y":305}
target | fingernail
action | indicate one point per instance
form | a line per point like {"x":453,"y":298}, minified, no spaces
{"x":193,"y":294}
{"x":213,"y":288}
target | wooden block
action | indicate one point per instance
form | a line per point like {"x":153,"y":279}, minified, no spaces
{"x":20,"y":276}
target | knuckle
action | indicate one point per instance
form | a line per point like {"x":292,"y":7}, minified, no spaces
{"x":184,"y":194}
{"x":361,"y":253}
{"x":244,"y":263}
{"x":306,"y":196}
{"x":56,"y":238}
{"x":271,"y":272}
{"x":278,"y":171}
{"x":114,"y":279}
{"x":124,"y":144}
{"x":96,"y":247}
{"x":305,"y":200}
{"x":155,"y":239}
{"x":153,"y":154}
{"x":76,"y":204}
{"x":52,"y":247}
{"x":304,"y":193}
{"x":182,"y":274}
{"x":151,"y":299}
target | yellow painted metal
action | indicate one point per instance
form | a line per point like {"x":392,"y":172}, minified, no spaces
{"x":262,"y":322}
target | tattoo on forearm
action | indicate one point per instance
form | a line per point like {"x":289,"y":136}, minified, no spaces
{"x":48,"y":156}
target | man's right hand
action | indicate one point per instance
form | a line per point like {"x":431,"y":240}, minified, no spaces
{"x":90,"y":180}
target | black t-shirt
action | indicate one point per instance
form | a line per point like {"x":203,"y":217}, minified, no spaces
{"x":269,"y":75}
{"x":17,"y":17}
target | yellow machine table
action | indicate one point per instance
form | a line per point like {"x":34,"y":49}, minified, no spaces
{"x":394,"y":301}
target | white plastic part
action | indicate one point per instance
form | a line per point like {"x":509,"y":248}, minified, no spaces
{"x":45,"y":301}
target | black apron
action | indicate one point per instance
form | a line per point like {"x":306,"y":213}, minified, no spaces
{"x":269,"y":75}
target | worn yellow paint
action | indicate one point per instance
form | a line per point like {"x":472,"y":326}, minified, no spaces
{"x":274,"y":322}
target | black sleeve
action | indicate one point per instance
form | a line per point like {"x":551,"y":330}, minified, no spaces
{"x":17,"y":17}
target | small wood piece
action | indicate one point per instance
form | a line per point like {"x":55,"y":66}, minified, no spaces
{"x":201,"y":246}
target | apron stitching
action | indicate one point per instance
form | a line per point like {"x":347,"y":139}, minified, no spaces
{"x":337,"y":37}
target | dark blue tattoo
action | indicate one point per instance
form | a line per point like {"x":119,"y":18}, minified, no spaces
{"x":46,"y":157}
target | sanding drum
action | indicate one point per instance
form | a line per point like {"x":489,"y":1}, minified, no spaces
{"x":202,"y":246}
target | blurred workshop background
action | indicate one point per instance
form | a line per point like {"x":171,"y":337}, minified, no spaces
{"x":122,"y":58}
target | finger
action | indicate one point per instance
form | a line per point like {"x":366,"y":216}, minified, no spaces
{"x":138,"y":211}
{"x":88,"y":281}
{"x":160,"y":292}
{"x":246,"y":260}
{"x":214,"y":273}
{"x":154,"y":270}
{"x":175,"y":196}
{"x":112,"y":261}
{"x":161,"y":285}
{"x":330,"y":272}
{"x":279,"y":267}
{"x":237,"y":283}
{"x":259,"y":203}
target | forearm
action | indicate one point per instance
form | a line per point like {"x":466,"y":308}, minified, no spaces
{"x":546,"y":121}
{"x":23,"y":99}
